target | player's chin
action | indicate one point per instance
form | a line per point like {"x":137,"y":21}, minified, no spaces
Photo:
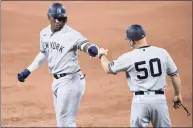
{"x":57,"y":27}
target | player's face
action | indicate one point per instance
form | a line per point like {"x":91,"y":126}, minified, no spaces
{"x":57,"y":23}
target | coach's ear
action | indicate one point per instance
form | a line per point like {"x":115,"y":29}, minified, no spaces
{"x":134,"y":42}
{"x":48,"y":17}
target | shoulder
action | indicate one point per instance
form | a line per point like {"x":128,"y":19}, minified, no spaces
{"x":159,"y":49}
{"x":45,"y":30}
{"x":125,"y":55}
{"x":73,"y":32}
{"x":162,"y":50}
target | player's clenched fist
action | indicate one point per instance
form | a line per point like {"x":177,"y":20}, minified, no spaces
{"x":23,"y":75}
{"x":92,"y":50}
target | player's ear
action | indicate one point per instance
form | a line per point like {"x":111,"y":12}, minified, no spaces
{"x":66,"y":20}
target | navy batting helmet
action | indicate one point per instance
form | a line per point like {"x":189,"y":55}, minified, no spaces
{"x":57,"y":10}
{"x":135,"y":32}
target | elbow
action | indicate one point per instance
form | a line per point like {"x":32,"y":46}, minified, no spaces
{"x":107,"y":71}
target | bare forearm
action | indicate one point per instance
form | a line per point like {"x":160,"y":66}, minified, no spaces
{"x":105,"y":63}
{"x":176,"y":84}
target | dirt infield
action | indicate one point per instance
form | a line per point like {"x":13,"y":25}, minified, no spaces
{"x":107,"y":99}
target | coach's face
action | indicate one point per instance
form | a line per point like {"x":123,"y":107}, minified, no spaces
{"x":57,"y":23}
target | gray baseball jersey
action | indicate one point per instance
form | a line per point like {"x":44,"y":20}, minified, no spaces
{"x":61,"y":49}
{"x":146,"y":68}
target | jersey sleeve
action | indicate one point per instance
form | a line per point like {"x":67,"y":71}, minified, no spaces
{"x":42,"y":45}
{"x":171,"y":67}
{"x":80,"y":40}
{"x":121,"y":64}
{"x":42,"y":50}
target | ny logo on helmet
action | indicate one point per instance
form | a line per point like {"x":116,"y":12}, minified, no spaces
{"x":59,"y":10}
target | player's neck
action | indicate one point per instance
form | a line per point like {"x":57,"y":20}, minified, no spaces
{"x":54,"y":31}
{"x":140,"y":43}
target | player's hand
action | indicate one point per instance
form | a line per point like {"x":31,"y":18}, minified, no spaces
{"x":23,"y":75}
{"x":177,"y":100}
{"x":92,"y":50}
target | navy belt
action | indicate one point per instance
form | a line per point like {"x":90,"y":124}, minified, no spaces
{"x":57,"y":76}
{"x":156,"y":92}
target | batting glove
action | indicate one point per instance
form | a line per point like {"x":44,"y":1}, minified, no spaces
{"x":23,"y":75}
{"x":92,"y":50}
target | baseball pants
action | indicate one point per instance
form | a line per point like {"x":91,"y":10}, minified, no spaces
{"x":147,"y":108}
{"x":67,"y":98}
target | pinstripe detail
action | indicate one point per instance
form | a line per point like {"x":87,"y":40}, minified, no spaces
{"x":42,"y":51}
{"x":81,"y":43}
{"x":174,"y":73}
{"x":109,"y":66}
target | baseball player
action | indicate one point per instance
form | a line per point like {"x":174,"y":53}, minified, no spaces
{"x":146,"y":68}
{"x":59,"y":44}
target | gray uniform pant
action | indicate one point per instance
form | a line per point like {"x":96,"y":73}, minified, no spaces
{"x":67,"y":97}
{"x":147,"y":108}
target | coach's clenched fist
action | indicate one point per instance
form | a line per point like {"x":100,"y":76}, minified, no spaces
{"x":102,"y":51}
{"x":177,"y":100}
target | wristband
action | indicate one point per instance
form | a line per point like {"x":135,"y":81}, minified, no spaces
{"x":101,"y":55}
